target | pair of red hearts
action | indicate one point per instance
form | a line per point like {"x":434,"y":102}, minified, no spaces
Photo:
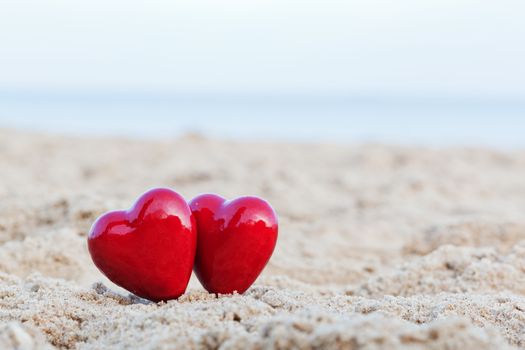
{"x":151,"y":248}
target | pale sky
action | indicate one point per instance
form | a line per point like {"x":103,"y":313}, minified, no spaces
{"x":327,"y":46}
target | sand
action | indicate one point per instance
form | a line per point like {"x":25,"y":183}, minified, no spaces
{"x":380,"y":247}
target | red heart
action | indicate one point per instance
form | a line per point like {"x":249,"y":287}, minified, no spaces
{"x":235,"y":241}
{"x":149,"y":249}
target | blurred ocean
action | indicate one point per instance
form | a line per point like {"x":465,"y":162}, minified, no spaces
{"x":419,"y":120}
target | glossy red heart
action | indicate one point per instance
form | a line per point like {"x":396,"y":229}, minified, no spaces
{"x":148,"y":249}
{"x":235,"y":241}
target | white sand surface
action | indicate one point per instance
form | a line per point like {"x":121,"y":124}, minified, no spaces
{"x":380,"y":247}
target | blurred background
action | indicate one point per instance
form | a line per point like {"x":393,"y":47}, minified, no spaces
{"x":412,"y":72}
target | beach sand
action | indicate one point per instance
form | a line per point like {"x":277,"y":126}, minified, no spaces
{"x":380,"y":247}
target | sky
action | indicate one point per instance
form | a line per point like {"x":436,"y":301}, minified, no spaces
{"x":374,"y":47}
{"x":427,"y":72}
